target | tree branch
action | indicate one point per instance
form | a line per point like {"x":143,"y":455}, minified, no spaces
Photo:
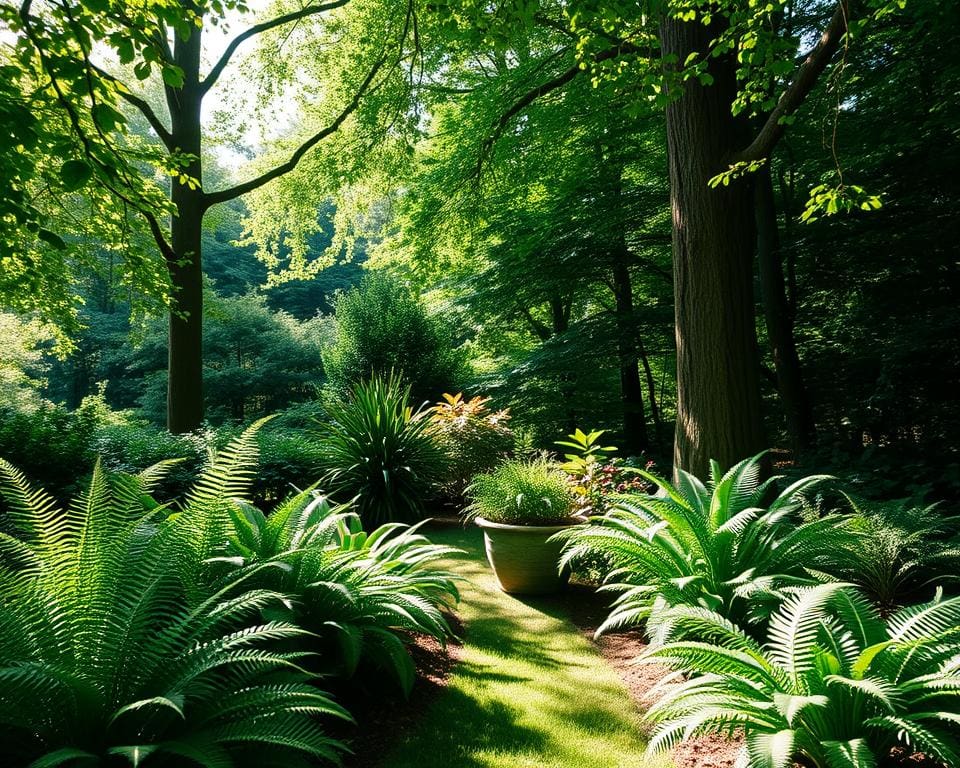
{"x":543,"y":89}
{"x":141,"y":104}
{"x":256,"y":29}
{"x":222,"y":196}
{"x":806,"y":77}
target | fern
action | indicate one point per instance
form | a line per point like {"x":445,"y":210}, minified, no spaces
{"x":707,"y":545}
{"x":834,"y":686}
{"x":104,"y":655}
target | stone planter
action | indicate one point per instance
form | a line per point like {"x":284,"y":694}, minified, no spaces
{"x":524,"y":562}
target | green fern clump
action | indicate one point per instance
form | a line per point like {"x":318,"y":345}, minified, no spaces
{"x":107,"y":655}
{"x":718,"y":546}
{"x":379,"y":451}
{"x":903,"y":551}
{"x":360,"y":595}
{"x":533,"y":492}
{"x":833,"y":687}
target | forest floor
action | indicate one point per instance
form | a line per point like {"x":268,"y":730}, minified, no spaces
{"x":527,"y":687}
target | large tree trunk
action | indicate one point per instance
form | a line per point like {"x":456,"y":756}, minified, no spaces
{"x":718,"y":389}
{"x":776,"y":310}
{"x":185,"y":351}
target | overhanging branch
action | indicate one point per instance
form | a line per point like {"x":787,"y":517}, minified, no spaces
{"x":256,"y":29}
{"x":141,"y":104}
{"x":222,"y":196}
{"x":544,"y":88}
{"x":807,"y":75}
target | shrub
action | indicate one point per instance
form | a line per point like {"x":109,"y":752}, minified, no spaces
{"x":106,"y":657}
{"x":382,"y":328}
{"x":594,"y":475}
{"x":834,"y":686}
{"x":711,"y":546}
{"x":288,"y":457}
{"x":532,"y":492}
{"x":51,"y":443}
{"x":378,"y":450}
{"x":474,"y":438}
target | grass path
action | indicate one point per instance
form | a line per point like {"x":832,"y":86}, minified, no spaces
{"x":529,"y":690}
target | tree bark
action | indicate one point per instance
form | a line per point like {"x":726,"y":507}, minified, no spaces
{"x":185,"y":350}
{"x":718,"y":389}
{"x":776,"y":311}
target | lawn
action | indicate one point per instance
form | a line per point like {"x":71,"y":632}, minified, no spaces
{"x":529,"y":690}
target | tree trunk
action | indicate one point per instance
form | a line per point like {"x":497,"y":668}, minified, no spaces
{"x":631,"y":390}
{"x":185,"y":351}
{"x":776,"y":310}
{"x":651,"y":393}
{"x":718,"y":388}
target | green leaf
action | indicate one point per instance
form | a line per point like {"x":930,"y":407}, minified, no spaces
{"x":52,"y":238}
{"x":173,"y":76}
{"x":74,"y":174}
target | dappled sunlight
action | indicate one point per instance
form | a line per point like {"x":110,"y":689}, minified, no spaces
{"x":529,"y":690}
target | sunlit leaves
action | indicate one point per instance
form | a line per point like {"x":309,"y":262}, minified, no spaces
{"x":827,"y":200}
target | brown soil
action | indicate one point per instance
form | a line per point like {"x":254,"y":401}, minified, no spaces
{"x":587,"y":610}
{"x":383,"y":719}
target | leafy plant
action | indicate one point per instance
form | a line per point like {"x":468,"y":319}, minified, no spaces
{"x":834,"y":686}
{"x":377,"y":450}
{"x":712,"y":546}
{"x":360,"y":595}
{"x":107,"y":658}
{"x":474,"y":438}
{"x":532,"y":492}
{"x":903,"y":550}
{"x":595,"y":476}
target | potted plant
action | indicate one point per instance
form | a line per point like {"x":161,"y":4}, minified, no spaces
{"x":520,"y":505}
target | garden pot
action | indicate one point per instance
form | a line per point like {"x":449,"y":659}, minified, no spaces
{"x":524,"y":562}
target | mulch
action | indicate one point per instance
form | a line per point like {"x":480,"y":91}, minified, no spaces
{"x":383,"y":719}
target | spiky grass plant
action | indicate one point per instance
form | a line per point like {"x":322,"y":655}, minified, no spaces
{"x":361,"y":595}
{"x":833,"y":687}
{"x":518,"y":492}
{"x":107,"y":657}
{"x":381,"y":452}
{"x":718,"y":546}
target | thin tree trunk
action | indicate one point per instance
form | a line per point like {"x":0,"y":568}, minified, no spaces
{"x":651,"y":392}
{"x":631,"y":389}
{"x":776,"y":311}
{"x":185,"y":350}
{"x":718,"y":389}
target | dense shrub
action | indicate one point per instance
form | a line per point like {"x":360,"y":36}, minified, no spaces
{"x":834,"y":686}
{"x":289,"y":458}
{"x":382,"y":327}
{"x":474,"y":438}
{"x":51,"y":443}
{"x":532,"y":492}
{"x":713,"y":546}
{"x":381,"y":452}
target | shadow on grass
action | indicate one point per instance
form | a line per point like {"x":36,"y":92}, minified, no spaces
{"x":528,"y":692}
